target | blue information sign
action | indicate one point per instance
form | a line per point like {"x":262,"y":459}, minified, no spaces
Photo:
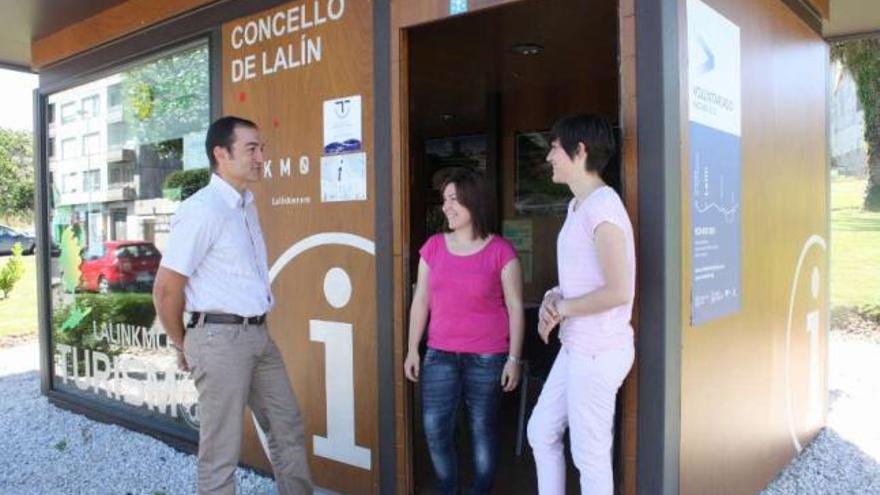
{"x":715,"y":158}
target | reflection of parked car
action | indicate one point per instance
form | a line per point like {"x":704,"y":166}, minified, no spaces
{"x":9,"y":236}
{"x":125,"y":265}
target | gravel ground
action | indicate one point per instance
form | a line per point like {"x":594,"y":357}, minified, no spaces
{"x":53,"y":451}
{"x":57,"y":452}
{"x":845,"y":457}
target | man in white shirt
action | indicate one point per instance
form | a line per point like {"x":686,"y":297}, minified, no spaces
{"x":215,"y":268}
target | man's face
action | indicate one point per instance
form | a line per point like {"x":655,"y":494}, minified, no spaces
{"x":244,"y":162}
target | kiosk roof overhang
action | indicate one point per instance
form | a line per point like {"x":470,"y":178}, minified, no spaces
{"x":852,"y":19}
{"x":27,"y":20}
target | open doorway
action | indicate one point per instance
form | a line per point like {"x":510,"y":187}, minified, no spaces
{"x":484,"y":89}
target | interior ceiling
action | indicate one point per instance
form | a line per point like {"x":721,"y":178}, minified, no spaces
{"x":852,"y":17}
{"x":25,"y":20}
{"x":456,"y":63}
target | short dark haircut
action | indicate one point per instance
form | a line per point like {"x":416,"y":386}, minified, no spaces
{"x":592,"y":130}
{"x":222,"y":133}
{"x":470,"y":191}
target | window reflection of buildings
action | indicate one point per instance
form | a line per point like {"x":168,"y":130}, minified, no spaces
{"x":97,"y":165}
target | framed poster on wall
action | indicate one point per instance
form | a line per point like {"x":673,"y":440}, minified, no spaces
{"x":443,"y":155}
{"x":536,"y":194}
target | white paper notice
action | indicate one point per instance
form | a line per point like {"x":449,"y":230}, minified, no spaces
{"x":344,"y":177}
{"x":714,"y":76}
{"x":342,"y":125}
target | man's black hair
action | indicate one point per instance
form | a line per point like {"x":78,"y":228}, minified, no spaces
{"x":222,"y":133}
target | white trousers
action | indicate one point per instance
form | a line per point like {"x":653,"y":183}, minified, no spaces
{"x":580,"y":394}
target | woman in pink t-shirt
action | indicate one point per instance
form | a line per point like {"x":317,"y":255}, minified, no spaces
{"x":593,"y":305}
{"x":470,"y":282}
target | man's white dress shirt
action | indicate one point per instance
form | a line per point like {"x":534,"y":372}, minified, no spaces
{"x":216,"y":241}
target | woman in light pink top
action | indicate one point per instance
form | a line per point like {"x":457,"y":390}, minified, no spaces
{"x":593,"y":306}
{"x":470,"y":282}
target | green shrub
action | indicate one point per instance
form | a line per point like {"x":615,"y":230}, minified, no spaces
{"x":12,"y":271}
{"x":872,"y":198}
{"x":189,"y":181}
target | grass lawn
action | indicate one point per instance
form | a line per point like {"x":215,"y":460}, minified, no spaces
{"x":855,"y":246}
{"x":18,"y":314}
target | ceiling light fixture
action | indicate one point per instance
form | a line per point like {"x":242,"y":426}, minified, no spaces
{"x":527,"y":48}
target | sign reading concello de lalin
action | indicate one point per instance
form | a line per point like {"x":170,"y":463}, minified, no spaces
{"x":298,"y":23}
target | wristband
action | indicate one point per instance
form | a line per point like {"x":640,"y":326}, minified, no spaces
{"x":514,"y":359}
{"x":554,"y":290}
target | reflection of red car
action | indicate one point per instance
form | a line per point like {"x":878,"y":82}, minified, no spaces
{"x":126,"y":265}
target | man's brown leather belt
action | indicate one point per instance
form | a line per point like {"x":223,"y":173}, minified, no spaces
{"x":226,"y":319}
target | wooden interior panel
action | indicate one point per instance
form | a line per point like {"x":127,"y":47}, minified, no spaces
{"x":115,"y":22}
{"x":288,"y":105}
{"x":734,"y":368}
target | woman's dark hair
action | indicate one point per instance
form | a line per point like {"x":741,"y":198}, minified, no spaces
{"x":222,"y":133}
{"x":470,"y":189}
{"x":592,"y":130}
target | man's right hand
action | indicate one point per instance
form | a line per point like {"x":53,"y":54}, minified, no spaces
{"x":182,"y":365}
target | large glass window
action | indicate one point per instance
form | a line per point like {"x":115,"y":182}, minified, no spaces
{"x":114,"y":96}
{"x":109,"y":347}
{"x":91,"y":144}
{"x":92,"y":180}
{"x":69,"y":112}
{"x":69,"y":148}
{"x":90,"y":107}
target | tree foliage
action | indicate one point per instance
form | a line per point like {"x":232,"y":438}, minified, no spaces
{"x":16,"y":173}
{"x":862,"y":59}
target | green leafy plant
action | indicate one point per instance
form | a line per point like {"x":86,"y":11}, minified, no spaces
{"x":74,"y":324}
{"x":12,"y":271}
{"x":188,"y":181}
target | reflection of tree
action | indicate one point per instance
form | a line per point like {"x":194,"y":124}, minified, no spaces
{"x":167,"y":98}
{"x":164,"y":100}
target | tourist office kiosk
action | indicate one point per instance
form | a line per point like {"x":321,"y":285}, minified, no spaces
{"x":719,"y":107}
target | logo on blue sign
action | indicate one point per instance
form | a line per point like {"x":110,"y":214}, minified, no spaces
{"x":457,"y":6}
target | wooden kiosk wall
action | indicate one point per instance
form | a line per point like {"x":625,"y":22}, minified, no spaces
{"x":738,"y":372}
{"x":315,"y":245}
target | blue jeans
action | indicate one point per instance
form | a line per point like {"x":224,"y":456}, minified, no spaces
{"x":447,"y":377}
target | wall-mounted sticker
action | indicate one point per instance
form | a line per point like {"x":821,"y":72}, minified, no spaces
{"x":344,"y":177}
{"x":458,"y":6}
{"x":342,"y":125}
{"x":714,"y":111}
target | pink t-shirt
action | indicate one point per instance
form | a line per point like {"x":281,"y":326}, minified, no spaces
{"x":467,"y":307}
{"x":580,"y":273}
